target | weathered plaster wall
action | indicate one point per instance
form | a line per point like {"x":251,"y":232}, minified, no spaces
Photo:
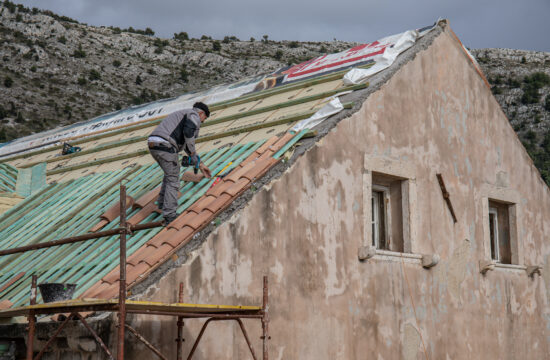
{"x":435,"y":115}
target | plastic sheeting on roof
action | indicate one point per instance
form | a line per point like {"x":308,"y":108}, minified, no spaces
{"x":333,"y":107}
{"x":392,"y":47}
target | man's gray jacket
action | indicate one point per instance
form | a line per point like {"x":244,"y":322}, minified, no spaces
{"x":180,"y":129}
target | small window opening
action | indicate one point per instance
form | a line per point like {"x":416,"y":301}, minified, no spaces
{"x":499,"y":232}
{"x":387,"y":213}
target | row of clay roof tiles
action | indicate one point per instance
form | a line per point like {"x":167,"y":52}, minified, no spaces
{"x":178,"y":233}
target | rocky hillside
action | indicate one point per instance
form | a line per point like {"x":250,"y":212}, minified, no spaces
{"x":55,"y":71}
{"x":520,"y":81}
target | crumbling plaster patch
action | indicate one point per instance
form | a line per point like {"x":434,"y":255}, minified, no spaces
{"x":411,"y":342}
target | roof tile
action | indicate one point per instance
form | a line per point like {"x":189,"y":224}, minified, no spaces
{"x":95,"y":288}
{"x":177,"y":239}
{"x":239,"y":171}
{"x":99,"y":225}
{"x":166,"y":235}
{"x":113,"y":275}
{"x":182,"y":220}
{"x":114,"y":211}
{"x":258,"y":169}
{"x":190,"y":176}
{"x":220,"y":203}
{"x":240,"y":185}
{"x":272,"y":140}
{"x":200,"y":219}
{"x":148,"y":197}
{"x":5,"y":304}
{"x":220,"y":187}
{"x":143,"y":213}
{"x":103,"y":286}
{"x":202,"y":203}
{"x":108,"y":292}
{"x":142,"y":253}
{"x":133,"y":273}
{"x":158,"y":254}
{"x":281,"y":142}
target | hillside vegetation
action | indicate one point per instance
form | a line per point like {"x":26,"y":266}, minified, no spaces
{"x":520,"y":81}
{"x":55,"y":71}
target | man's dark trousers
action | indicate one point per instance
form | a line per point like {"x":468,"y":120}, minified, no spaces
{"x":168,"y":196}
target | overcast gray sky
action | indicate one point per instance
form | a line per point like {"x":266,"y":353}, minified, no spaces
{"x":478,"y":23}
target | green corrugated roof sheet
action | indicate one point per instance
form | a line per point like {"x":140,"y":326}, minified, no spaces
{"x":71,"y":208}
{"x":8,"y":178}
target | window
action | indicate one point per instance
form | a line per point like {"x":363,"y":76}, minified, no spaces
{"x":389,"y":198}
{"x":499,"y":232}
{"x":379,"y":196}
{"x":387,"y":213}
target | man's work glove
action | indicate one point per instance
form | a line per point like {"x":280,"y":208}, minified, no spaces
{"x":205,"y":171}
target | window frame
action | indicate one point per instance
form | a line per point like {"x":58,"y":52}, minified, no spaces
{"x":487,"y":193}
{"x":494,"y":240}
{"x":383,"y":193}
{"x":399,"y":170}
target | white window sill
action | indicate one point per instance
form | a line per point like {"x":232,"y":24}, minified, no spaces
{"x":512,"y":267}
{"x":385,"y":255}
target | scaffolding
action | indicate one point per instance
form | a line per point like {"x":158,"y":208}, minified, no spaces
{"x":122,"y":306}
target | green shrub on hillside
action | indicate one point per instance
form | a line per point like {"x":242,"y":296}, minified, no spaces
{"x":79,"y":53}
{"x":94,"y":75}
{"x":181,"y":36}
{"x":531,"y":86}
{"x":216,"y":46}
{"x":8,"y":82}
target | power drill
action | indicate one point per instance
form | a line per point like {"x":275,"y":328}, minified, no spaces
{"x":188,"y":161}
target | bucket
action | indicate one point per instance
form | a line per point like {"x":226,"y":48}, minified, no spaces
{"x":56,"y":292}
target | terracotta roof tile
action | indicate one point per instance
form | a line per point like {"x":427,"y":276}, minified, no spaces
{"x":135,"y":272}
{"x":182,"y":220}
{"x":99,"y":225}
{"x":94,"y":289}
{"x":202,"y":203}
{"x":11,"y":281}
{"x":5,"y":304}
{"x":114,"y":211}
{"x":140,"y":254}
{"x":237,"y":187}
{"x":200,"y":219}
{"x":220,"y":187}
{"x":220,"y":203}
{"x":190,"y":176}
{"x":113,"y":275}
{"x":281,"y":142}
{"x":177,"y":239}
{"x":148,"y":197}
{"x":143,"y":213}
{"x":103,"y":286}
{"x":109,"y":292}
{"x":158,"y":253}
{"x":166,"y":235}
{"x":256,"y":170}
{"x":239,"y":171}
{"x":272,"y":140}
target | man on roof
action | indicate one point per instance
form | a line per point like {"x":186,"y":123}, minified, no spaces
{"x":177,"y":132}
